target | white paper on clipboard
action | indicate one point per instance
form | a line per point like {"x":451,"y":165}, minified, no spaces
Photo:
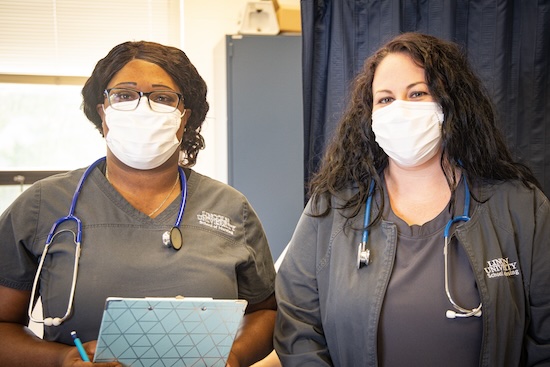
{"x":146,"y":332}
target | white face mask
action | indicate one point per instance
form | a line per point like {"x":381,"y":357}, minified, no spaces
{"x":142,"y":138}
{"x":409,"y":132}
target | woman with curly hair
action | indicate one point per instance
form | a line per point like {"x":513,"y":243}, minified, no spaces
{"x":424,"y":243}
{"x":151,"y":226}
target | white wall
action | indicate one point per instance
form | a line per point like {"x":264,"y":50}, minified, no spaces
{"x":206,"y":22}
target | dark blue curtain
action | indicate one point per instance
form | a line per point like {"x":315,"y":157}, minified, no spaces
{"x":507,"y":42}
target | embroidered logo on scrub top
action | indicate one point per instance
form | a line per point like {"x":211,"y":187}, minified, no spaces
{"x":216,"y":221}
{"x":501,"y":268}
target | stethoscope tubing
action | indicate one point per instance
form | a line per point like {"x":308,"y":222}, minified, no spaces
{"x":363,"y":255}
{"x":183,"y":201}
{"x":77,"y":239}
{"x":465,"y":312}
{"x":368,"y":208}
{"x":49,"y":321}
{"x":72,"y":208}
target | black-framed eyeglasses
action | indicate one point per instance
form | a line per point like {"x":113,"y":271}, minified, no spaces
{"x":123,"y":99}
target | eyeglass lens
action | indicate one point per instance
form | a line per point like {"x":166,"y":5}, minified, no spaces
{"x":128,"y":99}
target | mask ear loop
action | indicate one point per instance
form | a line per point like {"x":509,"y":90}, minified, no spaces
{"x":183,"y":133}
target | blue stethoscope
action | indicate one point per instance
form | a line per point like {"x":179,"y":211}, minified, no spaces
{"x":363,"y":253}
{"x":172,"y":238}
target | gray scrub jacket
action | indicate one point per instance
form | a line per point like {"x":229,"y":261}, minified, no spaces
{"x":329,"y":311}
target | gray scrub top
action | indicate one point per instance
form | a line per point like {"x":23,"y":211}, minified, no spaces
{"x":225,"y":253}
{"x":413,"y":328}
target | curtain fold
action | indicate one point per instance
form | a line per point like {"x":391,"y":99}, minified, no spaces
{"x":507,"y":42}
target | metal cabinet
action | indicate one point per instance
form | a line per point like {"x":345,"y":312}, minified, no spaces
{"x":265,"y":129}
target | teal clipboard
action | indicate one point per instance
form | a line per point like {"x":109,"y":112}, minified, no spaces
{"x":158,"y":332}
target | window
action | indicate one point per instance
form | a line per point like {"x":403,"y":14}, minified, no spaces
{"x":48,"y":50}
{"x":67,"y":37}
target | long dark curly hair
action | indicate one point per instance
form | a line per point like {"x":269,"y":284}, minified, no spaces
{"x":176,"y":64}
{"x":470,"y":136}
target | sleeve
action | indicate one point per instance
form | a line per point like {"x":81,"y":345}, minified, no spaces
{"x":538,"y":330}
{"x":17,"y":234}
{"x":256,"y":276}
{"x":299,"y":338}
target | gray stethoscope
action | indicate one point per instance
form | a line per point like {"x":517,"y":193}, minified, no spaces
{"x":172,"y":238}
{"x":363,"y":253}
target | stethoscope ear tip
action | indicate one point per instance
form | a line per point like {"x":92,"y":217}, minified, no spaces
{"x":450,"y":314}
{"x":453,"y":314}
{"x":53,"y":321}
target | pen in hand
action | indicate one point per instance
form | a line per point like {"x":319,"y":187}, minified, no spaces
{"x":80,"y":347}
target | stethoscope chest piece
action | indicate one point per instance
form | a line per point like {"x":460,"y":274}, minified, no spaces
{"x":363,"y":255}
{"x":173,"y":238}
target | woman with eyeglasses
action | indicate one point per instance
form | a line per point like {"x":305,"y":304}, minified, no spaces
{"x":145,"y":223}
{"x":424,"y":243}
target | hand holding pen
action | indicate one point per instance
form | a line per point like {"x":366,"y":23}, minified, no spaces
{"x":84,"y":355}
{"x":80,"y":347}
